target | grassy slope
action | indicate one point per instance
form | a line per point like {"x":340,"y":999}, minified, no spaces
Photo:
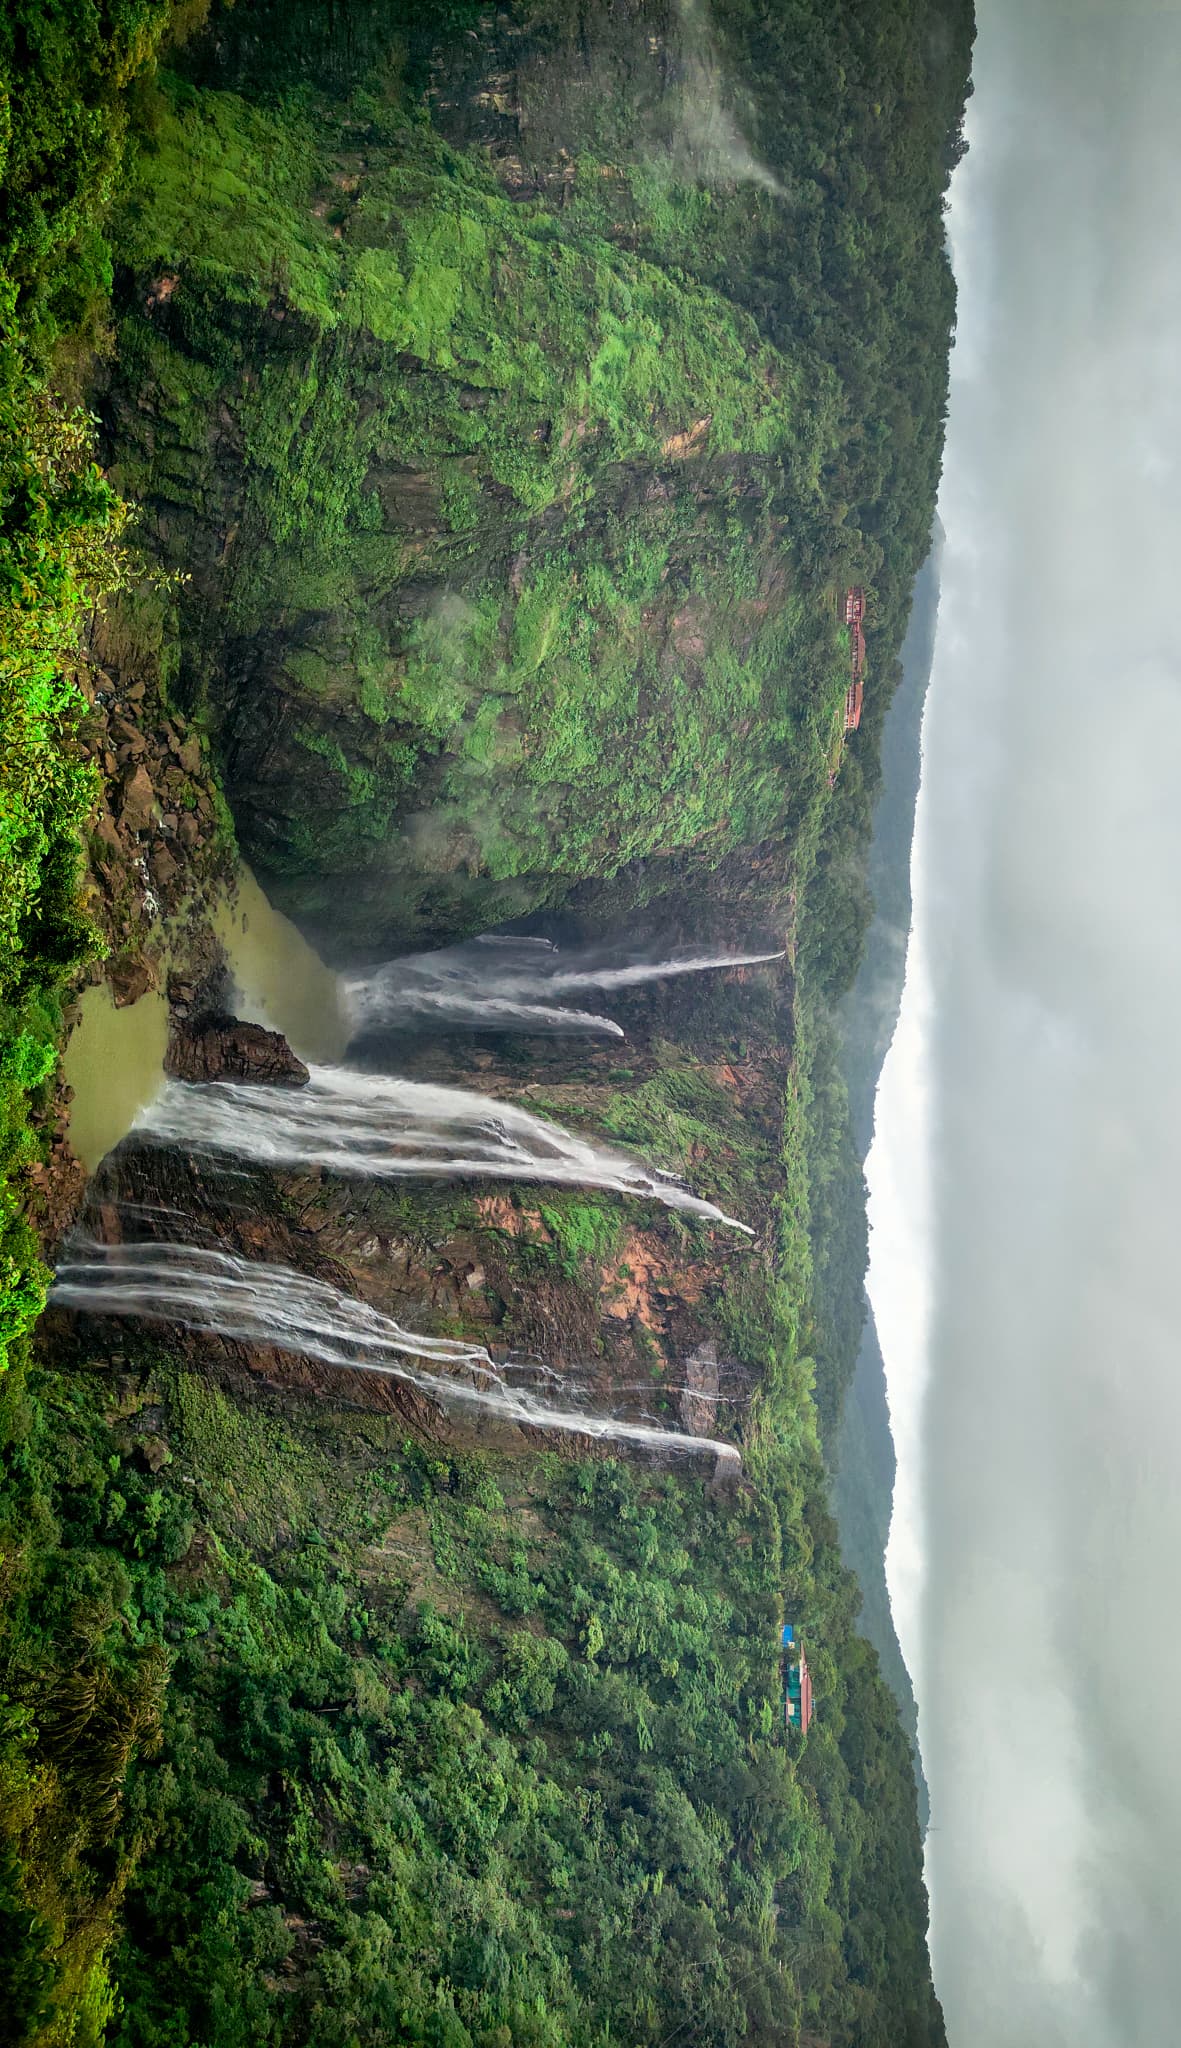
{"x":539,"y":502}
{"x":504,"y":702}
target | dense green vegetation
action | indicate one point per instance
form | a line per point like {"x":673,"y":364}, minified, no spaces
{"x":508,"y":687}
{"x":518,"y":391}
{"x":520,"y":440}
{"x":445,"y":1739}
{"x":64,"y":77}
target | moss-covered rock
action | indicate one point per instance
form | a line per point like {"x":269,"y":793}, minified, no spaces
{"x":514,"y":516}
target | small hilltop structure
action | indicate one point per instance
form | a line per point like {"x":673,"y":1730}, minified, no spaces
{"x":855,"y":621}
{"x":852,"y":614}
{"x":798,"y":1704}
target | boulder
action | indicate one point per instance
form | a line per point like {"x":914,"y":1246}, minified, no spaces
{"x":131,"y":975}
{"x":138,"y":800}
{"x":228,"y":1049}
{"x":105,"y":831}
{"x":164,"y":868}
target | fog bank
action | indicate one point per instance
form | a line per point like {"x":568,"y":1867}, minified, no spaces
{"x":1024,"y":1180}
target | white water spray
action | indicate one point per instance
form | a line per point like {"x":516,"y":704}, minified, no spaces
{"x":630,"y":975}
{"x":377,"y":1124}
{"x":212,"y":1290}
{"x":486,"y":1012}
{"x":284,"y":1309}
{"x":512,"y":988}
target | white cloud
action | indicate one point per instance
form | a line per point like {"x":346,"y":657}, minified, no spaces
{"x":1042,"y":1521}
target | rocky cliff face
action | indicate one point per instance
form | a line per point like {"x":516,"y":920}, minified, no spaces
{"x":219,"y":1048}
{"x":515,"y":494}
{"x":636,"y":1311}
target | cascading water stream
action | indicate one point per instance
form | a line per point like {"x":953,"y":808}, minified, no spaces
{"x":357,"y":1123}
{"x":279,"y":1307}
{"x":214,"y":1290}
{"x":506,"y":983}
{"x":631,"y":976}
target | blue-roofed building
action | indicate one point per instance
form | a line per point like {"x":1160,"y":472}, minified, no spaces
{"x":797,"y":1682}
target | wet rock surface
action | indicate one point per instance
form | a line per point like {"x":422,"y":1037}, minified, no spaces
{"x":130,"y":975}
{"x":157,"y":853}
{"x":220,"y":1048}
{"x":605,"y":1323}
{"x":603,"y":1303}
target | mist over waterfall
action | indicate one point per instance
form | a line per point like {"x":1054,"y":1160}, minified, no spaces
{"x":503,"y":982}
{"x":356,"y":1123}
{"x":255,"y":1302}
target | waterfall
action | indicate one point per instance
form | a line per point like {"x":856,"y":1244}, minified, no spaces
{"x":233,"y":1297}
{"x":655,"y":970}
{"x":370,"y":1003}
{"x":379,"y":1124}
{"x":504,"y":983}
{"x":282,"y":1308}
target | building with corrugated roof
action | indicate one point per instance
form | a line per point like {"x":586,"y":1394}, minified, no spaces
{"x":798,"y":1704}
{"x":854,"y":618}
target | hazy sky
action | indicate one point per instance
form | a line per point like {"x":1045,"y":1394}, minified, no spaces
{"x":1026,"y":1186}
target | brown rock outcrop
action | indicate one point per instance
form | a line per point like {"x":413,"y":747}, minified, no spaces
{"x":228,"y":1049}
{"x":130,"y":976}
{"x":138,"y":800}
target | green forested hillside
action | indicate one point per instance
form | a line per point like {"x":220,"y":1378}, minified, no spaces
{"x":517,"y":438}
{"x":516,"y":393}
{"x":451,"y":1750}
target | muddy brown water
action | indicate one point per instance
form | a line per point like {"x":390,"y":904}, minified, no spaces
{"x":114,"y":1061}
{"x":279,"y":980}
